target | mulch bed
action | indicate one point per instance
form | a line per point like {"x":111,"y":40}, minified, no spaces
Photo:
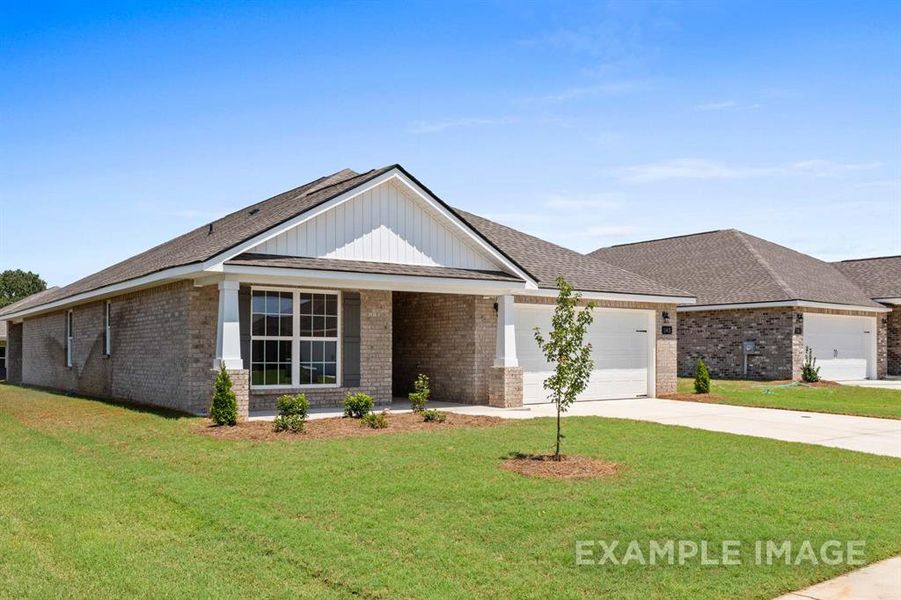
{"x":338,"y":427}
{"x":693,"y":397}
{"x":568,"y":467}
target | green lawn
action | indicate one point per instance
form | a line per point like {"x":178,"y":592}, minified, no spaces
{"x":845,"y":399}
{"x":100,"y":501}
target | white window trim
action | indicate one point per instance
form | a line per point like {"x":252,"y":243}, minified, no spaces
{"x":107,"y":329}
{"x":70,"y":336}
{"x":296,"y":339}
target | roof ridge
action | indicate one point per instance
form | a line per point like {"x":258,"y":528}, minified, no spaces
{"x":849,"y":260}
{"x":663,"y":239}
{"x":763,"y":262}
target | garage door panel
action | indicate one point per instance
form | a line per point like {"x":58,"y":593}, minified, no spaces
{"x":619,"y":350}
{"x":841,"y":344}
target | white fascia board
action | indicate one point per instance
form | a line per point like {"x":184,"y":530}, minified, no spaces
{"x":217,"y":262}
{"x":782,"y":304}
{"x":183,"y":272}
{"x":371,"y":281}
{"x":613,"y":296}
{"x":888,"y":300}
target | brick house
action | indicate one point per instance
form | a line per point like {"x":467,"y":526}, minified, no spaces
{"x":352,"y":282}
{"x":881,"y":279}
{"x":759,"y":305}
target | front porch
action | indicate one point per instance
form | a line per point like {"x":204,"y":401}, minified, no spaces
{"x":299,"y":336}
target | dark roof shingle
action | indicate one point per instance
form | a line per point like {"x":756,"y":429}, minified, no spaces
{"x":733,"y":267}
{"x":878,"y":277}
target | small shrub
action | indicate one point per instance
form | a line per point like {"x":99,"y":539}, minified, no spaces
{"x":702,"y":378}
{"x":224,"y":407}
{"x":357,"y":405}
{"x":420,"y":396}
{"x":292,"y":413}
{"x":376,"y":420}
{"x":433,"y":415}
{"x":810,"y":372}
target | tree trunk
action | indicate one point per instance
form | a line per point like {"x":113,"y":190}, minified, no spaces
{"x":557,"y":454}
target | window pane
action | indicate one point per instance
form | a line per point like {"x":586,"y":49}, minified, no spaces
{"x":259,"y":325}
{"x":271,"y":355}
{"x":329,"y":371}
{"x":306,"y":375}
{"x":256,"y":351}
{"x":284,"y":374}
{"x":318,"y":326}
{"x":331,"y":327}
{"x":331,"y":305}
{"x":286,"y":303}
{"x":305,"y":352}
{"x":271,"y":303}
{"x":330,"y":351}
{"x":318,"y":304}
{"x":284,"y":352}
{"x":287,"y":326}
{"x":306,"y":304}
{"x":257,"y":374}
{"x":306,"y":326}
{"x":317,"y":351}
{"x":258,"y":303}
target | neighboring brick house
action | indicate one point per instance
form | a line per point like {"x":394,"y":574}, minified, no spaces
{"x":881,"y":279}
{"x":353,"y":282}
{"x":759,"y":305}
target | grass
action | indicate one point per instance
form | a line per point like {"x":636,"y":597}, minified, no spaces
{"x":102,"y":501}
{"x":845,"y":399}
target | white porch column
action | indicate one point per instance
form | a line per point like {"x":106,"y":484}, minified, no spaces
{"x":505,"y":355}
{"x":228,"y":333}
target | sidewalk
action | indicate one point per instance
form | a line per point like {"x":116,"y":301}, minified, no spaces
{"x":879,"y":581}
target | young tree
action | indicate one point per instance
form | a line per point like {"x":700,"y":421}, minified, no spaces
{"x":565,"y":349}
{"x":224,"y":408}
{"x":17,"y":284}
{"x":702,"y":378}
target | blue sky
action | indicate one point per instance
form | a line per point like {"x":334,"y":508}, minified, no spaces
{"x":588,"y":124}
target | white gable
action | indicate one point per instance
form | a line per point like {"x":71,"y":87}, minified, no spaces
{"x":384,"y":224}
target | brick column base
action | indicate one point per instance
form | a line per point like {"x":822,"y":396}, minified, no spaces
{"x":505,"y":387}
{"x":241,"y":387}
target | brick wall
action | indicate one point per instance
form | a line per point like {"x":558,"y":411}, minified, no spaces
{"x":450,"y":338}
{"x":14,"y":353}
{"x":161,"y":351}
{"x":893,"y":341}
{"x":716,"y":336}
{"x":375,"y":359}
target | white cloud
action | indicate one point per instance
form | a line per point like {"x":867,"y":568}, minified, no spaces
{"x":610,"y":88}
{"x":425,"y":127}
{"x":684,"y":168}
{"x":725,"y":105}
{"x":699,"y":168}
{"x":828,"y":168}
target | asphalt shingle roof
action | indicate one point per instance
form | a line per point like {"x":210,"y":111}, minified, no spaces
{"x":732,"y":267}
{"x":878,"y":277}
{"x":541,"y":260}
{"x":545,"y":261}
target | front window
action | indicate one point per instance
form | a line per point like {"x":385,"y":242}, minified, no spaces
{"x":70,"y":336}
{"x":294,"y":338}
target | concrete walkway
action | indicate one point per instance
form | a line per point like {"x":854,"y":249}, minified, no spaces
{"x":863,"y":434}
{"x":886,"y":384}
{"x":879,"y":581}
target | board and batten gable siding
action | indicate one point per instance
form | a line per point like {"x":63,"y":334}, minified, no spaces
{"x":385,"y":224}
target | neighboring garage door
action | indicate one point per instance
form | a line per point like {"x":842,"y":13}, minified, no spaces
{"x":619,"y":340}
{"x":843,"y":346}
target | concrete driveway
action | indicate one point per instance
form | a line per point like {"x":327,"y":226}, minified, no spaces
{"x":863,"y":434}
{"x":888,"y":384}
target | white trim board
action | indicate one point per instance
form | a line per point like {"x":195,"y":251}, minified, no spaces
{"x":612,"y":296}
{"x":781,"y":304}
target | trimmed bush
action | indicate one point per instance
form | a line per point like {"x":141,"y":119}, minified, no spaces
{"x":419,"y":397}
{"x":224,"y":407}
{"x":376,"y":420}
{"x":433,"y":415}
{"x":357,"y":405}
{"x":292,"y":413}
{"x":702,"y":378}
{"x":810,"y":372}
